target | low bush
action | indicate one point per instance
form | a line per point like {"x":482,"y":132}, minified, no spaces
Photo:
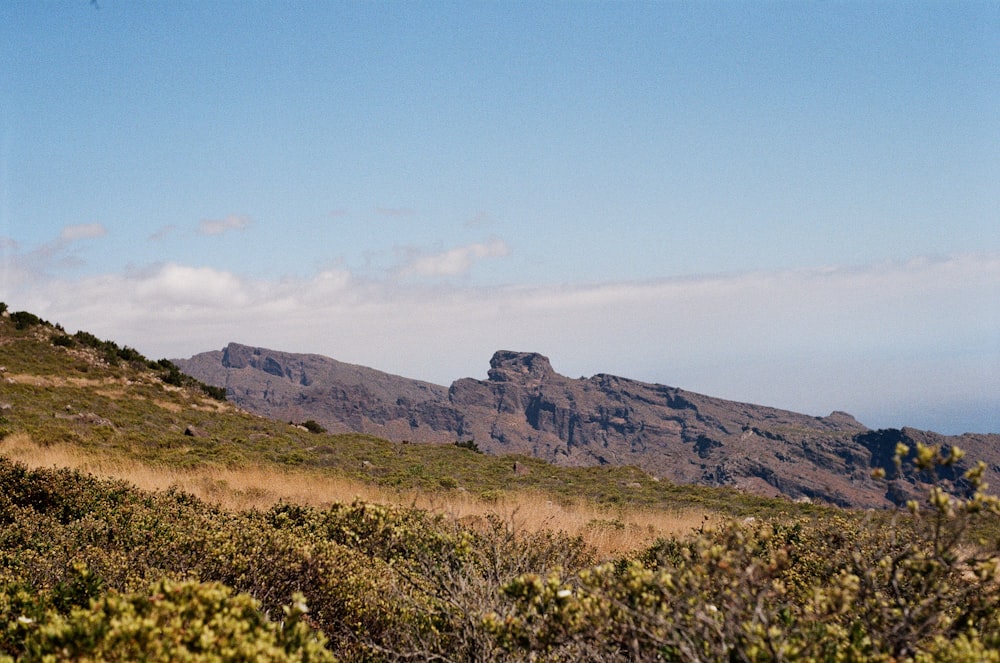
{"x":380,"y":582}
{"x":86,"y":565}
{"x":313,"y":427}
{"x":98,"y":570}
{"x":63,"y":341}
{"x":169,"y":621}
{"x":470,"y":445}
{"x":912,"y":588}
{"x":24,"y":320}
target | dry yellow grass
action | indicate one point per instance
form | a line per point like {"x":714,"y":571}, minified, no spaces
{"x":58,"y":381}
{"x":611,"y":532}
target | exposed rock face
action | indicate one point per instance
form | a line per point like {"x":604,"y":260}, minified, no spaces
{"x":342,"y":397}
{"x":526,"y":407}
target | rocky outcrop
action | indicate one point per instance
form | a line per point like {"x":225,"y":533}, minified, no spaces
{"x":525,"y":407}
{"x":342,"y":397}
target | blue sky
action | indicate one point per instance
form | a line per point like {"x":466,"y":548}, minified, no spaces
{"x":794,"y":204}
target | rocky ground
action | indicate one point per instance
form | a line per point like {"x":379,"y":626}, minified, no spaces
{"x":525,"y":407}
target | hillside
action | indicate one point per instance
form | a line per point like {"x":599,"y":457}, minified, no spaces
{"x":107,"y":401}
{"x":525,"y":407}
{"x":95,"y":569}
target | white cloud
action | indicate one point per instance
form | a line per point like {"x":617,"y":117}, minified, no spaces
{"x":175,"y":285}
{"x":453,"y":262}
{"x":220,"y":226}
{"x":876,"y":341}
{"x":80,"y":231}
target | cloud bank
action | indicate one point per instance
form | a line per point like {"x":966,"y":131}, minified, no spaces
{"x":898,"y":343}
{"x":453,"y":262}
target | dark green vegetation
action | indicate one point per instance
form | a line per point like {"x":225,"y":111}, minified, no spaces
{"x":97,"y":570}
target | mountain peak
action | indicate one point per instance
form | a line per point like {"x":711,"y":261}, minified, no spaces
{"x":511,"y":366}
{"x":525,"y":407}
{"x":236,"y":355}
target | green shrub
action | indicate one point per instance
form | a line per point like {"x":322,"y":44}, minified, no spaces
{"x":217,"y":393}
{"x":83,"y":561}
{"x":130,"y":354}
{"x":470,"y":445}
{"x":25,"y":320}
{"x":109,"y":350}
{"x":175,"y":621}
{"x":63,"y":341}
{"x":313,"y":426}
{"x":78,"y":556}
{"x":910,"y":589}
{"x":87,"y":339}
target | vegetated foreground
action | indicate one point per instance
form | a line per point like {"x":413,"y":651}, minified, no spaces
{"x":97,"y":569}
{"x":609,"y":531}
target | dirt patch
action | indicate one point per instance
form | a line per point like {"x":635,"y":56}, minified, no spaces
{"x":113,"y":394}
{"x":92,"y":382}
{"x":33,"y":380}
{"x":210,"y":405}
{"x":57,"y":381}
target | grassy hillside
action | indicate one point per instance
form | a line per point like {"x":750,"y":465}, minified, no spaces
{"x":113,"y":403}
{"x":225,"y":536}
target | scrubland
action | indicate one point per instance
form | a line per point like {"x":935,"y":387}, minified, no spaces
{"x":142,"y":518}
{"x":609,"y":530}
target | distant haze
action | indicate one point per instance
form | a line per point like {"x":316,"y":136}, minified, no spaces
{"x":790,"y":204}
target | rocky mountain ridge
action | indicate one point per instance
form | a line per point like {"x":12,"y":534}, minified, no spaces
{"x":525,"y":407}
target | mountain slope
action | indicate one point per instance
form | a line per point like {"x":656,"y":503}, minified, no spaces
{"x":525,"y":407}
{"x":79,"y":401}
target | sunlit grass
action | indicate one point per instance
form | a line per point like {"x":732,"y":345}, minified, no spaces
{"x":611,"y":531}
{"x":68,"y":407}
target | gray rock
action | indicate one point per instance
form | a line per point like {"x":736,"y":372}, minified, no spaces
{"x":525,"y":407}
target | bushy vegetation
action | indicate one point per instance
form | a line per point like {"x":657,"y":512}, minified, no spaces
{"x":170,"y":621}
{"x":25,"y":320}
{"x":376,"y":580}
{"x":313,"y":426}
{"x":91,"y":570}
{"x":906,"y":589}
{"x":108,"y":352}
{"x":113,"y":355}
{"x":470,"y":445}
{"x":95,"y":570}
